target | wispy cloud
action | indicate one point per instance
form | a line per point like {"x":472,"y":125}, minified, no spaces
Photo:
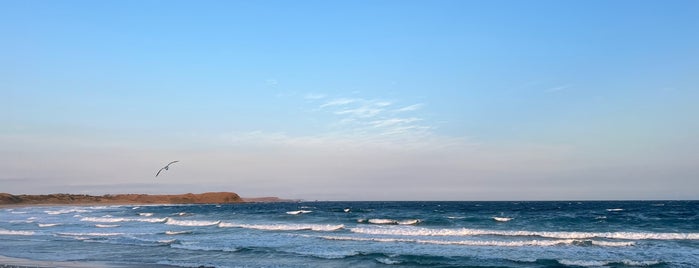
{"x":377,"y":119}
{"x":410,"y":108}
{"x":337,"y":102}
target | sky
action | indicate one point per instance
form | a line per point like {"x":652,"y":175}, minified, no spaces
{"x":352,"y":100}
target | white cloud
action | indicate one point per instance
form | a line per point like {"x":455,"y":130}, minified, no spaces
{"x":410,"y":108}
{"x":394,"y":121}
{"x":338,"y":102}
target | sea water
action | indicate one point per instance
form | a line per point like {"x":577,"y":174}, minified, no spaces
{"x":361,"y":234}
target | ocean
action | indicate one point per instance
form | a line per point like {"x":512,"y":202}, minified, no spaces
{"x":361,"y":234}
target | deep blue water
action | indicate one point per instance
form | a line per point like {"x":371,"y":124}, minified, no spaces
{"x":362,"y":234}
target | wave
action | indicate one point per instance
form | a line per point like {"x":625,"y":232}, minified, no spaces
{"x":112,"y":220}
{"x":615,"y":209}
{"x":18,"y":212}
{"x":145,"y":214}
{"x":592,"y":263}
{"x":502,"y":219}
{"x":415,"y":231}
{"x":13,"y":232}
{"x":65,"y":211}
{"x":103,"y":219}
{"x":196,"y":246}
{"x":106,"y":225}
{"x":486,"y":243}
{"x":90,"y":234}
{"x":177,"y":232}
{"x":191,"y":222}
{"x":48,"y":224}
{"x":297,"y":212}
{"x":390,"y":221}
{"x":285,"y":227}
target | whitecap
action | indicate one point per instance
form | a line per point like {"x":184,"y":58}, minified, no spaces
{"x":48,"y":224}
{"x":297,"y":212}
{"x":387,"y":261}
{"x":382,"y":221}
{"x":13,"y":232}
{"x":177,"y":232}
{"x":103,"y":219}
{"x":416,"y":231}
{"x":483,"y":243}
{"x":615,"y":209}
{"x":285,"y":227}
{"x":145,"y":214}
{"x":191,"y":222}
{"x":583,"y":263}
{"x":90,"y":234}
{"x":190,"y":246}
{"x":409,"y":222}
{"x":65,"y":211}
{"x":502,"y":219}
{"x":106,"y":225}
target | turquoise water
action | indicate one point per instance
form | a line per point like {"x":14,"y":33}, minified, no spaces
{"x":362,"y":234}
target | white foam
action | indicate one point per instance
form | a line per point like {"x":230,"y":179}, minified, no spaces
{"x":297,"y":212}
{"x":106,"y":225}
{"x":416,"y":231}
{"x":502,"y":219}
{"x":112,"y":220}
{"x":145,"y":214}
{"x":484,"y":243}
{"x":48,"y":224}
{"x":13,"y":232}
{"x":387,"y":261}
{"x":285,"y":227}
{"x":391,"y":221}
{"x":91,"y":234}
{"x":177,"y":232}
{"x":409,"y":222}
{"x":583,"y":263}
{"x":202,"y":248}
{"x":615,"y":209}
{"x":103,"y":219}
{"x":153,"y":220}
{"x":65,"y":211}
{"x":18,"y":212}
{"x":191,"y":223}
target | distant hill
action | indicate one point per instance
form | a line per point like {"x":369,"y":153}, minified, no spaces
{"x":119,"y":199}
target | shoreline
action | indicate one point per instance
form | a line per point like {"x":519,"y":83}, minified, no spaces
{"x":13,"y":262}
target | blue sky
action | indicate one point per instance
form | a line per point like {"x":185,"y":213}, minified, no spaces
{"x":352,"y":100}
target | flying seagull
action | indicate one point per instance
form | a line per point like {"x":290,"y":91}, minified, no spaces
{"x":166,"y":167}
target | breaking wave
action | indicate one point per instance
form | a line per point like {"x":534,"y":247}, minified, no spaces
{"x":191,"y":222}
{"x":390,"y":221}
{"x":285,"y":227}
{"x":415,"y":231}
{"x":297,"y":212}
{"x":502,"y":219}
{"x":485,"y":243}
{"x":13,"y":232}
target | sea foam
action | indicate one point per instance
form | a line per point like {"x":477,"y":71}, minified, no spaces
{"x":487,"y":243}
{"x":191,"y":222}
{"x":415,"y":231}
{"x":285,"y":227}
{"x":13,"y":232}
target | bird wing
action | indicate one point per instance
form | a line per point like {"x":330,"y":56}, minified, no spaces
{"x":173,"y":162}
{"x":156,"y":174}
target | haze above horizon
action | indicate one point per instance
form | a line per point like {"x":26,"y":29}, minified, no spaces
{"x":352,"y":100}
